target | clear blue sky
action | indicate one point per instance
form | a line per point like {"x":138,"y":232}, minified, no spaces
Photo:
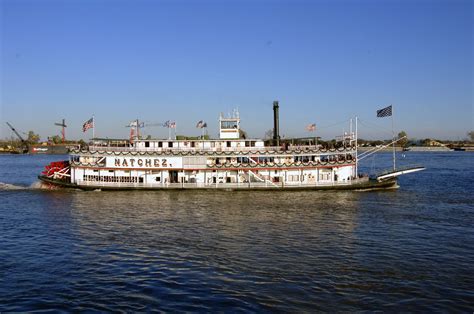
{"x":325,"y":61}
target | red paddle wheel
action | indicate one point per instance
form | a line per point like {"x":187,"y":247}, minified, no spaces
{"x":57,"y":170}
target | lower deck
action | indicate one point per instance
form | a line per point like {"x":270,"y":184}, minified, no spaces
{"x":357,"y":184}
{"x":342,"y":175}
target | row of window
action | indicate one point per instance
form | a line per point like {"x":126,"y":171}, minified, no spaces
{"x":193,"y":144}
{"x":92,"y":178}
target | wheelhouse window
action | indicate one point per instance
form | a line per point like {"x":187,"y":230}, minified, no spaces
{"x":228,"y":124}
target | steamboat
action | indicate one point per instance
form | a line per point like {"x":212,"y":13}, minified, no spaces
{"x":230,"y":162}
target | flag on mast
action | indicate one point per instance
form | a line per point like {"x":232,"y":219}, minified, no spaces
{"x":385,"y":112}
{"x":201,"y":124}
{"x":311,"y":127}
{"x":88,"y":124}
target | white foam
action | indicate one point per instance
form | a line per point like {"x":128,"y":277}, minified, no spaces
{"x":40,"y":185}
{"x":8,"y":186}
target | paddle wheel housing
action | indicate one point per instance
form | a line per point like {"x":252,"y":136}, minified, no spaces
{"x":59,"y":170}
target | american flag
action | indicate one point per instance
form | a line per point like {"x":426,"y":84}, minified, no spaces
{"x":385,"y":112}
{"x":89,"y":124}
{"x":311,"y":127}
{"x":201,"y":124}
{"x":170,"y":124}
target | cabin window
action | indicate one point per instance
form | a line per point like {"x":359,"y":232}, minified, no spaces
{"x":252,"y":143}
{"x":228,"y":143}
{"x":158,"y":179}
{"x":247,"y":143}
{"x":147,"y":144}
{"x":170,"y":144}
{"x":228,"y":124}
{"x":192,"y":144}
{"x":160,"y":144}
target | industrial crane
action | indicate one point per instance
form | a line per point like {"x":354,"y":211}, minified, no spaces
{"x":135,"y":127}
{"x":63,"y":130}
{"x":24,"y":144}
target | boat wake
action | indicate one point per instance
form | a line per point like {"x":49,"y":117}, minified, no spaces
{"x":8,"y":186}
{"x":38,"y":185}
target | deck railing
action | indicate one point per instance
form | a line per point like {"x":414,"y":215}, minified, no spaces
{"x":241,"y":185}
{"x":301,"y":148}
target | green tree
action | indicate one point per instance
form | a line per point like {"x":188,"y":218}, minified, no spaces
{"x":33,"y":138}
{"x":242,"y":134}
{"x":82,"y":143}
{"x":56,"y":139}
{"x":471,"y":135}
{"x":403,"y":142}
{"x":268,"y":134}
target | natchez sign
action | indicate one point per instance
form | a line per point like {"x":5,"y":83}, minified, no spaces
{"x":144,"y":162}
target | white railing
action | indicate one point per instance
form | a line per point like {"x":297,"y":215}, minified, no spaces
{"x":290,"y":149}
{"x":240,"y":185}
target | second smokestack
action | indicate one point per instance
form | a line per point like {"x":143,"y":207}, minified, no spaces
{"x":276,"y":123}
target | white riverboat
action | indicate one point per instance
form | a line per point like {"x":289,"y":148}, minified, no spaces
{"x":230,"y":162}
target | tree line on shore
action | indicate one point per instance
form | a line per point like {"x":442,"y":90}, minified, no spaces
{"x":33,"y":138}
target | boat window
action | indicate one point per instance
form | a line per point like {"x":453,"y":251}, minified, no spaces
{"x":147,"y":144}
{"x":252,"y":143}
{"x":247,"y":143}
{"x":192,"y":144}
{"x":228,"y":143}
{"x":170,"y":144}
{"x":160,"y":144}
{"x":228,"y":124}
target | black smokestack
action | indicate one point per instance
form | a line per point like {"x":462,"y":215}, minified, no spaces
{"x":276,"y":124}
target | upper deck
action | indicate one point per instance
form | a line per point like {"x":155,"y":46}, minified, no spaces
{"x":208,"y":147}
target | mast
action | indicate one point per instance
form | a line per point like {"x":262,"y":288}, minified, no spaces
{"x":393,"y":139}
{"x":357,"y":157}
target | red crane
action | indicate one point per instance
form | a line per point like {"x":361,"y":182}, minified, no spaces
{"x":63,"y":131}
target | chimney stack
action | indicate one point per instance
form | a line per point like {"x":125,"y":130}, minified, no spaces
{"x":276,"y":124}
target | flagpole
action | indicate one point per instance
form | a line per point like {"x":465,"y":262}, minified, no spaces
{"x":393,"y":139}
{"x":357,"y":157}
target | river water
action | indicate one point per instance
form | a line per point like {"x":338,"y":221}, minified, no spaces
{"x":410,"y":249}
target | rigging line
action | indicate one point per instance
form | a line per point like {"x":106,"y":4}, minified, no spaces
{"x":377,"y":126}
